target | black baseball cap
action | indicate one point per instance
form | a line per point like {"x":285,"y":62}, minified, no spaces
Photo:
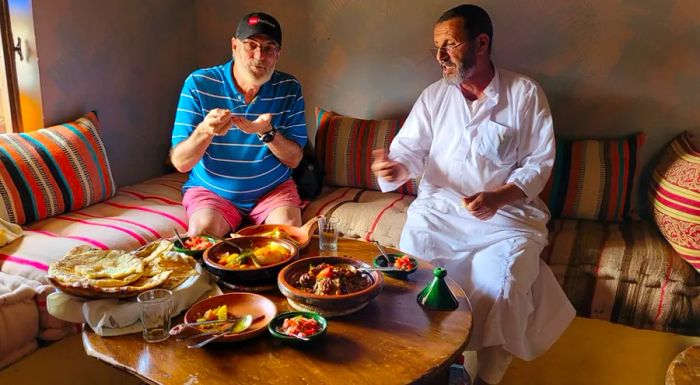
{"x":259,"y":23}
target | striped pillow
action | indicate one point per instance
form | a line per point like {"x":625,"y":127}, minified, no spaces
{"x":593,"y":179}
{"x":675,"y":197}
{"x":344,"y":149}
{"x":53,"y":170}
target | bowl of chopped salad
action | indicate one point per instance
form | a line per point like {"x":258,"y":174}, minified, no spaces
{"x":194,"y":245}
{"x":402,"y":263}
{"x":251,"y":261}
{"x":298,"y":327}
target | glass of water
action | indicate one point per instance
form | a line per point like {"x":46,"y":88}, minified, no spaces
{"x":328,"y":234}
{"x":155,"y":314}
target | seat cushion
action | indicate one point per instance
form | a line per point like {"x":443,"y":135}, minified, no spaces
{"x":365,"y":214}
{"x":53,"y":170}
{"x":624,"y":273}
{"x":135,"y":216}
{"x":675,"y":196}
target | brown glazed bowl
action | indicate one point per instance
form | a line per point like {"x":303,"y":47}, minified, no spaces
{"x":300,"y":235}
{"x":252,"y":276}
{"x":327,"y":305}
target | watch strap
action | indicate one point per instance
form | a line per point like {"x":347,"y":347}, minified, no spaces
{"x":268,"y":136}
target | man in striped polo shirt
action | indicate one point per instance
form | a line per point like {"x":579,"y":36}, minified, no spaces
{"x":239,"y":131}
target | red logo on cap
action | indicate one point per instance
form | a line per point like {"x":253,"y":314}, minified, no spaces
{"x":253,"y":20}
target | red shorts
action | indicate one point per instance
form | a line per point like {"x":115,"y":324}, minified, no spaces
{"x":285,"y":194}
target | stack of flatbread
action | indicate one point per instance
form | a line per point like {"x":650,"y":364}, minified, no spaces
{"x":94,"y":273}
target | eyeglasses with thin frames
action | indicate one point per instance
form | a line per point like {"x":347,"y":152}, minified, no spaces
{"x":447,"y":48}
{"x":268,"y":50}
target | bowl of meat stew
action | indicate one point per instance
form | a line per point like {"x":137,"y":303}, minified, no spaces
{"x":331,"y":286}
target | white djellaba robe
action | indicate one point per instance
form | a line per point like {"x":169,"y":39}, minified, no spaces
{"x":460,"y":148}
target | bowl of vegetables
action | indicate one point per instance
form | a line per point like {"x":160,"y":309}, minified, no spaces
{"x":403,"y":264}
{"x":194,"y":245}
{"x":249,"y":260}
{"x":298,"y":327}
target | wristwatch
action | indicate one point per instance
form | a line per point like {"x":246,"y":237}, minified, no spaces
{"x":267,"y":137}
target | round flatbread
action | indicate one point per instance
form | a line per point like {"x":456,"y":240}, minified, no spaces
{"x":180,"y":265}
{"x":85,"y":266}
{"x":93,"y":273}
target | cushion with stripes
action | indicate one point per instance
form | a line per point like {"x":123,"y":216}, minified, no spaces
{"x":344,"y":149}
{"x":593,"y":179}
{"x":624,"y":273}
{"x":364,"y":214}
{"x":675,"y":196}
{"x":53,"y":170}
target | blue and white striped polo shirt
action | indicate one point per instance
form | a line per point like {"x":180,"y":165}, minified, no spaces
{"x":238,"y":166}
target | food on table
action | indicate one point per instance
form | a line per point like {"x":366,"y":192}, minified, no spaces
{"x":275,"y":233}
{"x":118,"y":271}
{"x":269,"y":254}
{"x":404,"y":263}
{"x":219,"y":313}
{"x":299,"y":326}
{"x":197,"y":243}
{"x":327,"y":279}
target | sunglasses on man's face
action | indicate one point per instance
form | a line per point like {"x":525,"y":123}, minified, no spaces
{"x":271,"y":49}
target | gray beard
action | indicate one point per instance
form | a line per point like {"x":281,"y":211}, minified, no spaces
{"x":461,"y":75}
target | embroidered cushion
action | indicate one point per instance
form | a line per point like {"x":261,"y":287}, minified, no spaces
{"x":593,"y":179}
{"x":675,"y":197}
{"x":53,"y":170}
{"x":344,"y":149}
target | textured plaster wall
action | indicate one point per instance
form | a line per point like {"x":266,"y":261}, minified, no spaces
{"x":127,"y":60}
{"x":609,"y":67}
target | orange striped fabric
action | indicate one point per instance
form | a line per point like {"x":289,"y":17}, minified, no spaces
{"x":593,"y":179}
{"x":675,"y":197}
{"x":344,"y":148}
{"x":53,"y":170}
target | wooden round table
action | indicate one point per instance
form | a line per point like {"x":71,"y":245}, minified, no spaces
{"x":392,"y":340}
{"x":685,"y":368}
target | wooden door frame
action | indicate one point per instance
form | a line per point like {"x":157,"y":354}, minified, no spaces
{"x":10,"y":69}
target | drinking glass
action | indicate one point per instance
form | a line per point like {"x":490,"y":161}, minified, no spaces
{"x":328,"y":234}
{"x":155,"y":314}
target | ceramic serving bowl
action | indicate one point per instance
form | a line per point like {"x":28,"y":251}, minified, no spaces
{"x":380,"y":261}
{"x":251,"y":276}
{"x":327,"y":305}
{"x":262,"y":309}
{"x":180,"y":248}
{"x":277,"y":322}
{"x":300,"y":235}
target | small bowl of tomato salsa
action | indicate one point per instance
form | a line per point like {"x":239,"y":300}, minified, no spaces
{"x":194,"y":245}
{"x":403,"y":264}
{"x":298,"y":327}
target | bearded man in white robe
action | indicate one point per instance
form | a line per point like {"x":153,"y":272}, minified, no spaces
{"x":481,"y":140}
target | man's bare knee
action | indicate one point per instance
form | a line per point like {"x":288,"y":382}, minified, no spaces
{"x":285,"y":215}
{"x":207,"y":221}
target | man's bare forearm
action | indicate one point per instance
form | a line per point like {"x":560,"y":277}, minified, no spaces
{"x":287,"y":151}
{"x":186,"y":154}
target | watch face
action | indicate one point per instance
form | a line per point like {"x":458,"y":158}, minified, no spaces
{"x":268,"y":136}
